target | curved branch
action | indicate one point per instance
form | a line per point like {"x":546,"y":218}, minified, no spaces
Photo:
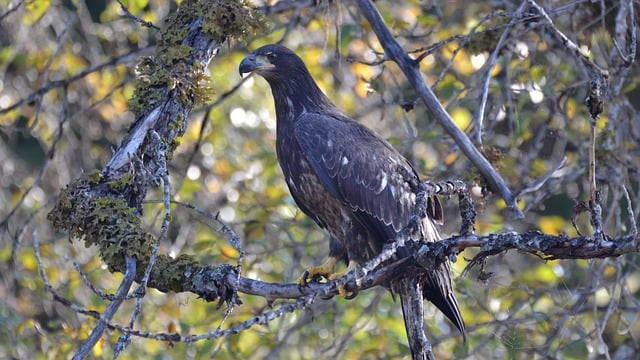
{"x":394,"y":51}
{"x":111,"y":310}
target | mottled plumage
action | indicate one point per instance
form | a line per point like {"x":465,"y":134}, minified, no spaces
{"x":346,"y":177}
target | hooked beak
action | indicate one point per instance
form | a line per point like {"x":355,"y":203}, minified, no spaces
{"x":254,"y":63}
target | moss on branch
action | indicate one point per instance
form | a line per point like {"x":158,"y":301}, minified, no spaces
{"x":103,"y":208}
{"x":174,"y":66}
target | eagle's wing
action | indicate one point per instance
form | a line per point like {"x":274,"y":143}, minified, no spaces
{"x":359,"y":169}
{"x":362,"y":170}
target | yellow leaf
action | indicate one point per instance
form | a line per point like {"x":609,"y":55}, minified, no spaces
{"x":601,"y":123}
{"x":25,"y":325}
{"x":462,"y":117}
{"x":450,"y":159}
{"x":172,"y":328}
{"x":35,"y":10}
{"x":609,"y":271}
{"x":229,"y":251}
{"x":571,"y":108}
{"x":98,"y":349}
{"x":552,"y":225}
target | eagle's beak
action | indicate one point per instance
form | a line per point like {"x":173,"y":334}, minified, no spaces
{"x":254,"y":62}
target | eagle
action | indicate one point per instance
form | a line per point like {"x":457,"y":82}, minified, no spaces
{"x":351,"y":182}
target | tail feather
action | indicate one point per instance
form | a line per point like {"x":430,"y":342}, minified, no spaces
{"x":438,"y":290}
{"x":437,"y":284}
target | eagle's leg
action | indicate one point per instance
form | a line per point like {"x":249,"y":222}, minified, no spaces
{"x":323,"y":270}
{"x":336,"y":275}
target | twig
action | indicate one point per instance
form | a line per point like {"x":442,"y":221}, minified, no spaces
{"x":138,"y":20}
{"x":90,"y":285}
{"x":567,"y":42}
{"x":97,"y":331}
{"x":595,"y":103}
{"x":632,"y":217}
{"x":126,"y":58}
{"x":478,"y":119}
{"x":45,"y":279}
{"x":536,"y":185}
{"x":235,"y":241}
{"x":262,"y":319}
{"x":11,"y":10}
{"x":622,"y":29}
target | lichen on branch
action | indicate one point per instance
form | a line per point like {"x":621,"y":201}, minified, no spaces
{"x":174,"y":66}
{"x":103,"y":208}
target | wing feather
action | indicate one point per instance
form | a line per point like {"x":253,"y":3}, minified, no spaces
{"x":341,"y":152}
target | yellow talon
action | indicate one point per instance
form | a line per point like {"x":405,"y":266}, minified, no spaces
{"x":324,"y":270}
{"x":337,"y":275}
{"x":341,"y":289}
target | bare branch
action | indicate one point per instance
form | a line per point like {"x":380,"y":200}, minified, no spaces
{"x":536,"y":185}
{"x":571,"y":46}
{"x":11,"y":10}
{"x":478,"y":118}
{"x":138,"y":20}
{"x":410,"y":68}
{"x":111,"y":310}
{"x":51,"y":85}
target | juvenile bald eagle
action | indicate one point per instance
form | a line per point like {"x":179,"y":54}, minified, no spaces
{"x":347,"y":179}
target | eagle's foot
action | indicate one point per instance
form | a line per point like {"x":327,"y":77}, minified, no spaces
{"x":324,"y":270}
{"x":341,"y":288}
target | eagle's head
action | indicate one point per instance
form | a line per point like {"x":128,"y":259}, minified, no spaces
{"x":273,"y":62}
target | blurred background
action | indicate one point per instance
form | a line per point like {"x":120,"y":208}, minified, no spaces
{"x":66,"y":74}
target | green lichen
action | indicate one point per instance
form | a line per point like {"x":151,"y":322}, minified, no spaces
{"x":231,"y":19}
{"x":172,"y":272}
{"x":93,"y":177}
{"x":121,"y":184}
{"x":174,"y":66}
{"x":115,"y":228}
{"x":174,"y":145}
{"x":106,"y":222}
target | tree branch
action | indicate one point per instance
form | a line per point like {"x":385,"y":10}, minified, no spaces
{"x":111,"y":310}
{"x":412,"y":71}
{"x":428,"y":256}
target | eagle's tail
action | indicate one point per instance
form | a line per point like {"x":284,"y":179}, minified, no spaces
{"x":438,"y":289}
{"x":437,"y":286}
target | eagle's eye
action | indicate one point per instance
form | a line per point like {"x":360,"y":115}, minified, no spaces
{"x":271,"y":56}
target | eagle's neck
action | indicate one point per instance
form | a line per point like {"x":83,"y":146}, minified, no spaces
{"x":297,"y":93}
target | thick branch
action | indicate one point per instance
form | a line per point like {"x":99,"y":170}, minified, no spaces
{"x":429,"y":255}
{"x":103,"y":208}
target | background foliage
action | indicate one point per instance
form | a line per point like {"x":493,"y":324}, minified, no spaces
{"x":67,"y":72}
